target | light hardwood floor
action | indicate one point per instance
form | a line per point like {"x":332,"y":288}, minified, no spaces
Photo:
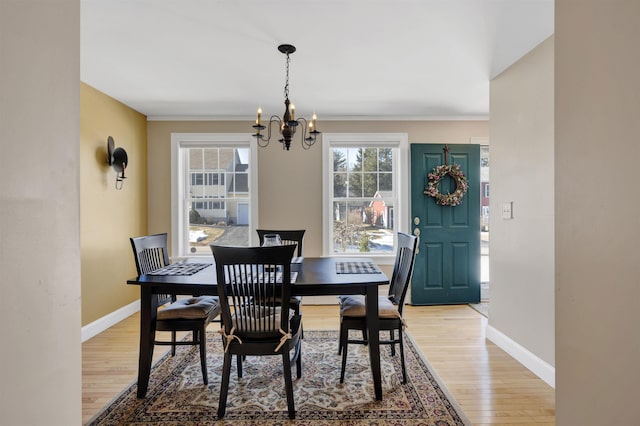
{"x":490,"y":386}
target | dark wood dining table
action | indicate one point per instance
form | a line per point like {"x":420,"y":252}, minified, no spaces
{"x":317,"y":276}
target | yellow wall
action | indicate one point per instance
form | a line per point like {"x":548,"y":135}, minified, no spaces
{"x":108,"y":217}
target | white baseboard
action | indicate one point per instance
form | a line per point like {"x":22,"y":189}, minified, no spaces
{"x":101,"y":324}
{"x":521,"y":354}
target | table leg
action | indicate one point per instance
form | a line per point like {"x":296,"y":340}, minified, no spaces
{"x":373,"y":331}
{"x":148,"y":309}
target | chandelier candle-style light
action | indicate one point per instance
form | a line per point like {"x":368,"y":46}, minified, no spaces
{"x":288,"y":123}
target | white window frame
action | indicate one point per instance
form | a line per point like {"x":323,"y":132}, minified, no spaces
{"x":400,"y":182}
{"x":180,"y":224}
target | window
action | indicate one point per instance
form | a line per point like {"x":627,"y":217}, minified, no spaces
{"x":365,"y":195}
{"x":200,"y":206}
{"x":213,"y":193}
{"x":207,"y":178}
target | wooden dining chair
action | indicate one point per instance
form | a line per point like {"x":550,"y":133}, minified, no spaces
{"x":188,"y":314}
{"x":287,"y":237}
{"x":251,"y":283}
{"x":353,"y":308}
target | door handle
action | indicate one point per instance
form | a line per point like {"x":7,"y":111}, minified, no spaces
{"x":416,"y":222}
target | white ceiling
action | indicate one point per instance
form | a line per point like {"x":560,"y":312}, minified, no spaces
{"x":355,"y":59}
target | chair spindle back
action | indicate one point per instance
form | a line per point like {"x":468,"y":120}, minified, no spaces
{"x":256,"y":278}
{"x":150,"y":253}
{"x":402,"y":269}
{"x":287,"y":237}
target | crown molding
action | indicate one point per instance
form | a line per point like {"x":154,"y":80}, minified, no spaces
{"x":324,"y":118}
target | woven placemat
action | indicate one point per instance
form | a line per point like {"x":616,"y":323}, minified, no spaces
{"x":180,"y":269}
{"x":357,"y":268}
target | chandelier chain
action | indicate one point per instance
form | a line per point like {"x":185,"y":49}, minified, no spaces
{"x":286,"y":84}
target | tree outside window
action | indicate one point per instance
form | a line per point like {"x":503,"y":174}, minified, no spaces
{"x":363,"y":199}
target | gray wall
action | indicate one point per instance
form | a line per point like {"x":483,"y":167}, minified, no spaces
{"x":39,"y":213}
{"x":597,"y":211}
{"x":522,"y":172}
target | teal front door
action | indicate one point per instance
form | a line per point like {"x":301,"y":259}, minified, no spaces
{"x":447,"y":266}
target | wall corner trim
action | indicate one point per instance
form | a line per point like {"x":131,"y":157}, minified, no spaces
{"x":532,"y":362}
{"x":101,"y":324}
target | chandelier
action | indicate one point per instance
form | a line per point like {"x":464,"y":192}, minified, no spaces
{"x":288,"y":123}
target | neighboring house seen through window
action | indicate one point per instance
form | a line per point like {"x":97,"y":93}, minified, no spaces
{"x":212,"y":197}
{"x":365,"y":194}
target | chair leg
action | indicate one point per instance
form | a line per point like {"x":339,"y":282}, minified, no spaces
{"x":393,"y":345}
{"x":288,"y":383}
{"x":239,"y":359}
{"x":296,"y":311}
{"x":344,"y":345}
{"x":299,"y":359}
{"x":224,"y":385}
{"x":202,"y":338}
{"x":173,"y":341}
{"x":404,"y":369}
{"x":344,"y":336}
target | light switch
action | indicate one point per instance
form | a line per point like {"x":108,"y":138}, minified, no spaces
{"x":507,"y":210}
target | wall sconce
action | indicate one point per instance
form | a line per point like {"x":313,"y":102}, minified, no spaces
{"x":117,"y":158}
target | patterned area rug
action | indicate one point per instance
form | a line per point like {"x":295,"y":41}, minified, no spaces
{"x":177,"y":395}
